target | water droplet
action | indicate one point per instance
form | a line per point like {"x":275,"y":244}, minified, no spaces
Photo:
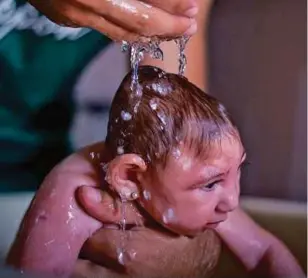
{"x":126,"y":116}
{"x":104,"y":167}
{"x":154,"y":87}
{"x":158,"y":54}
{"x":121,"y":256}
{"x":132,"y":254}
{"x":123,"y":223}
{"x":136,"y":107}
{"x":176,"y":153}
{"x":49,"y":242}
{"x":149,"y":158}
{"x":139,"y":90}
{"x":123,"y":134}
{"x":125,"y":46}
{"x":186,"y":162}
{"x":41,"y":216}
{"x":111,"y":206}
{"x":68,"y":246}
{"x":154,"y":103}
{"x":92,"y":155}
{"x":168,"y":216}
{"x":53,"y":193}
{"x":162,"y":117}
{"x":146,"y":5}
{"x":147,"y":195}
{"x":120,"y":150}
{"x":70,"y":216}
{"x":181,"y":43}
{"x":123,"y":241}
{"x":162,"y":89}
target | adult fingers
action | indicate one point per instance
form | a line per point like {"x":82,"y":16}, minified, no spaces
{"x":100,"y":206}
{"x":177,"y":7}
{"x":137,"y":18}
{"x":72,"y":15}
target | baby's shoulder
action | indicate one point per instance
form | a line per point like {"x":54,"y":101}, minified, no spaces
{"x":78,"y":169}
{"x":83,"y":161}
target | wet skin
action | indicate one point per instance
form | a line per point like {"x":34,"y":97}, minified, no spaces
{"x":152,"y":245}
{"x":128,"y":20}
{"x":55,"y":229}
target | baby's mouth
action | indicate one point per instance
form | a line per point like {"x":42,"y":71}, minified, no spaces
{"x":213,"y":225}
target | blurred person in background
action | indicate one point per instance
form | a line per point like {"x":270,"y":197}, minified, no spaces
{"x":40,"y":62}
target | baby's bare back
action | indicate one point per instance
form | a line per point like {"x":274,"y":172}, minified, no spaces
{"x":151,"y":253}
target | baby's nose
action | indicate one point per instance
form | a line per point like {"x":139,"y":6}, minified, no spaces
{"x":229,"y":201}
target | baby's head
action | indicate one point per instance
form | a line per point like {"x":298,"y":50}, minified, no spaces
{"x":179,"y":156}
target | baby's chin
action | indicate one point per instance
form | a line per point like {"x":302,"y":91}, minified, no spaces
{"x":198,"y":231}
{"x":186,"y":231}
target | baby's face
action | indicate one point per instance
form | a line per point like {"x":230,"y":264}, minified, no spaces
{"x":190,"y":195}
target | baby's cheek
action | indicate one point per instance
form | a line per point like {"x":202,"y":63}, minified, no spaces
{"x":199,"y":214}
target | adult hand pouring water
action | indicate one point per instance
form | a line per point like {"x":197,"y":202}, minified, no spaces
{"x":128,"y":20}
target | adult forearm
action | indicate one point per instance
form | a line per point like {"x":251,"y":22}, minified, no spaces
{"x":278,"y":261}
{"x":259,"y":251}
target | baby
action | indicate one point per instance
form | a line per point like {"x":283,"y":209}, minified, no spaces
{"x":151,"y":200}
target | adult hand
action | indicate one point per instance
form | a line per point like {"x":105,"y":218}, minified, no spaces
{"x":101,"y":206}
{"x":127,"y":20}
{"x":150,"y":249}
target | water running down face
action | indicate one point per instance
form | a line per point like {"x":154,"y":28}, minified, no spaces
{"x":180,"y":153}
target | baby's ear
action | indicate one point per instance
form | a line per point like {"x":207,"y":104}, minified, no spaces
{"x":123,"y":175}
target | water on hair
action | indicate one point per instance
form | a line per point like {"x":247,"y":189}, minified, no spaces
{"x":181,"y":43}
{"x":137,"y":52}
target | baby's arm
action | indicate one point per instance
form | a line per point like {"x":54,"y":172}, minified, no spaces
{"x":256,"y":248}
{"x":55,"y":227}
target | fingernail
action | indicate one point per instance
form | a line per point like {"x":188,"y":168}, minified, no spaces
{"x":191,"y":12}
{"x":192,"y":29}
{"x":94,"y":195}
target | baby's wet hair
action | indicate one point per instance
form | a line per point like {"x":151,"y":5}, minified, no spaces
{"x":172,"y":111}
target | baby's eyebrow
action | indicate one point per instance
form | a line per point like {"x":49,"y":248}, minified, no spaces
{"x":210,"y":173}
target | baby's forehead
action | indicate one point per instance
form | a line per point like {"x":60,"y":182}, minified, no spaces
{"x":221,"y":154}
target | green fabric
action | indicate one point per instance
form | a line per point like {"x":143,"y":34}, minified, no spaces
{"x":37,"y":75}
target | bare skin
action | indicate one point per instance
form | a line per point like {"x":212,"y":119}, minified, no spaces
{"x":260,"y":252}
{"x":129,"y":20}
{"x":80,"y":170}
{"x":55,"y":229}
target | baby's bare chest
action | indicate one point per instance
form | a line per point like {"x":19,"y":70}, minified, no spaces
{"x":149,"y":253}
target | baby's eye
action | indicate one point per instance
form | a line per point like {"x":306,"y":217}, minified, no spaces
{"x":211,"y":186}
